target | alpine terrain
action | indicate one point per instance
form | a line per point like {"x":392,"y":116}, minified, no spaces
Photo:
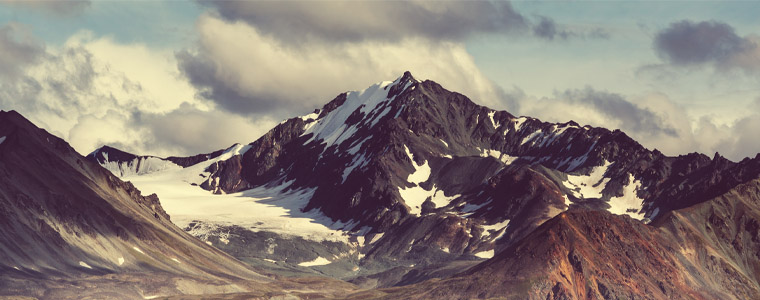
{"x":405,"y":190}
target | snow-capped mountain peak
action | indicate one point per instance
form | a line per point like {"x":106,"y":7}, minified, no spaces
{"x":342,"y":117}
{"x":436,"y":174}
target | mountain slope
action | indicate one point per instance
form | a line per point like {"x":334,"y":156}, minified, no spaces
{"x":70,"y":229}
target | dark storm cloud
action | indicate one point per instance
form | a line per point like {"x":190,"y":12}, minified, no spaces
{"x":63,"y":8}
{"x":686,"y":43}
{"x":631,"y":116}
{"x":373,"y":20}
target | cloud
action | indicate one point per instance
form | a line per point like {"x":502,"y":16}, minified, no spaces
{"x":735,"y":141}
{"x":547,"y":28}
{"x":686,"y":43}
{"x":190,"y":130}
{"x":93,"y":91}
{"x":354,"y":21}
{"x":61,"y":8}
{"x":185,"y":130}
{"x":18,"y":48}
{"x":630,"y":116}
{"x":357,"y":21}
{"x":652,"y":119}
{"x":246,"y":72}
{"x":599,"y":108}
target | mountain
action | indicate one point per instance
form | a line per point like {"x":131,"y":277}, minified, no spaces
{"x":71,"y":229}
{"x":406,"y":181}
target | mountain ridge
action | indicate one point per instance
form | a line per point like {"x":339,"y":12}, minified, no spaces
{"x":419,"y":175}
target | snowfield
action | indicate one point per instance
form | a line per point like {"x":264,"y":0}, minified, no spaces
{"x":276,"y":209}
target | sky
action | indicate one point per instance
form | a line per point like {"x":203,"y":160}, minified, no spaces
{"x":188,"y":77}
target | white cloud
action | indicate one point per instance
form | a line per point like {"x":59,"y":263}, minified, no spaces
{"x":247,"y":72}
{"x":93,"y":91}
{"x":152,"y":73}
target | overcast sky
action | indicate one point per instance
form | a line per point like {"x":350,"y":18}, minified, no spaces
{"x":186,"y":77}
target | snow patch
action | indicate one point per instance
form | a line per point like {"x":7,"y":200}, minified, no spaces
{"x":138,"y":250}
{"x":176,"y":260}
{"x":578,"y":160}
{"x":588,"y":186}
{"x":497,"y":230}
{"x":236,"y":149}
{"x":84,"y":264}
{"x":628,"y":204}
{"x":376,"y":237}
{"x":468,"y":209}
{"x":2,"y":139}
{"x":485,"y":254}
{"x":532,"y":137}
{"x":519,"y":122}
{"x":357,"y":162}
{"x":311,"y":116}
{"x":444,"y":143}
{"x":415,"y":196}
{"x":121,"y":261}
{"x":504,"y":158}
{"x":319,"y":261}
{"x":440,"y":199}
{"x":496,"y":125}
